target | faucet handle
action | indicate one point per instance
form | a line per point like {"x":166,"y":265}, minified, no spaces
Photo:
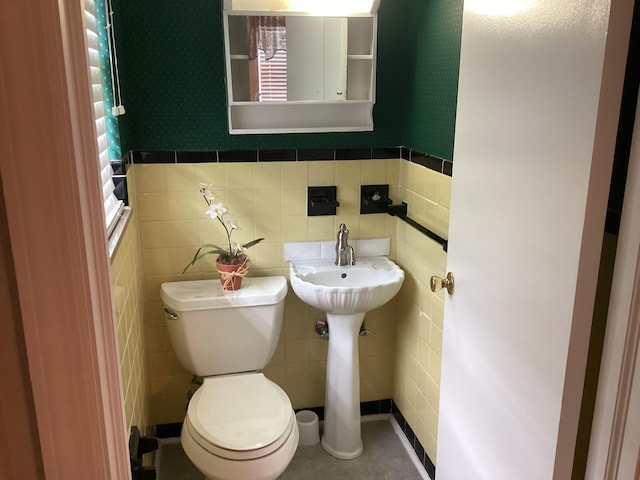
{"x":351,"y":260}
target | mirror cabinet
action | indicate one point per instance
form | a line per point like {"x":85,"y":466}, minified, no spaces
{"x":292,"y":73}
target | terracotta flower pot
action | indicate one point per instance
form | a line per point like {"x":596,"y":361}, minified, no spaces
{"x":231,"y":275}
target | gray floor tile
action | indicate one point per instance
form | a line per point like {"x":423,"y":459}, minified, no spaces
{"x":175,"y":465}
{"x":383,"y":458}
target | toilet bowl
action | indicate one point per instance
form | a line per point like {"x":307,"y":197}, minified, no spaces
{"x":239,"y":424}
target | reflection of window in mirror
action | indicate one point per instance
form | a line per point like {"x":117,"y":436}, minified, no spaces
{"x":295,"y":58}
{"x":267,"y":58}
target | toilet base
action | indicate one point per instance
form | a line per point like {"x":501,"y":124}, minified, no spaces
{"x":213,"y":467}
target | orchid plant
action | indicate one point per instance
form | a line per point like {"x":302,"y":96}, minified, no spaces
{"x":233,"y":253}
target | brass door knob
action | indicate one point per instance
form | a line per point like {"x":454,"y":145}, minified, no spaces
{"x":438,"y":283}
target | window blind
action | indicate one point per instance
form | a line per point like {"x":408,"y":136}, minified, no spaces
{"x":112,"y":206}
{"x":273,"y":76}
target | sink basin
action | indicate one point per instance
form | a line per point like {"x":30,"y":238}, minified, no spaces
{"x":372,"y":282}
{"x":345,"y":293}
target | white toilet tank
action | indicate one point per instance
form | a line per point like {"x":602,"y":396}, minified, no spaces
{"x":214,"y":332}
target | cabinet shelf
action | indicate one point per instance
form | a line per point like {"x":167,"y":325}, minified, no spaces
{"x":300,"y":117}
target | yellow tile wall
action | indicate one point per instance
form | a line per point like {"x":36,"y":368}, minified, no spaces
{"x":418,"y":357}
{"x":402,"y":356}
{"x":268,"y":200}
{"x":428,"y":194}
{"x":128,"y":299}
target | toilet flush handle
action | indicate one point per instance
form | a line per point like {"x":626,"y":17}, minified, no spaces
{"x":170,"y":314}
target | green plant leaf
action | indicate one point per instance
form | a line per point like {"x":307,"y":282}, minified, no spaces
{"x":252,"y":243}
{"x":215,"y":249}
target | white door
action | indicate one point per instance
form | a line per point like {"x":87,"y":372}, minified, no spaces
{"x":535,"y":132}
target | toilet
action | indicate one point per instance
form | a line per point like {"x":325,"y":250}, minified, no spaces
{"x":239,"y":424}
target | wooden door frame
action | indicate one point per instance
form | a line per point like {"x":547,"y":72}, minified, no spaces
{"x":56,"y":226}
{"x":621,"y":352}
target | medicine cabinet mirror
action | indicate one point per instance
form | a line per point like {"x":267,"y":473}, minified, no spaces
{"x":289,"y":73}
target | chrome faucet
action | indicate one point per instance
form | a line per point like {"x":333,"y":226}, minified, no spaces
{"x":344,"y":251}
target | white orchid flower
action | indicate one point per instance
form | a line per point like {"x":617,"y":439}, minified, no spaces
{"x":232,"y":222}
{"x":216,"y":210}
{"x":207,"y":192}
{"x":237,"y":248}
{"x":233,"y":254}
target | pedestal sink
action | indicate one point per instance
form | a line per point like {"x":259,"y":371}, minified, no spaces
{"x":345,"y":293}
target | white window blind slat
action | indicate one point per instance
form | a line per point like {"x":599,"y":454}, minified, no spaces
{"x":93,"y":43}
{"x":101,"y":128}
{"x":273,"y":76}
{"x":90,"y":15}
{"x":103,"y":143}
{"x":99,"y":112}
{"x":96,"y":77}
{"x":105,"y":175}
{"x":112,"y":206}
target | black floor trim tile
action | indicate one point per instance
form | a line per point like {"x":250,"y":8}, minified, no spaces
{"x":173,"y":430}
{"x":414,"y":442}
{"x":168,"y":430}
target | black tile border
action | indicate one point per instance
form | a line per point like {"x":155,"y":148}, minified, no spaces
{"x":384,"y":153}
{"x":227,"y":156}
{"x":447,"y":168}
{"x":145,"y":157}
{"x":316,"y":154}
{"x":428,"y":161}
{"x":431,"y":162}
{"x":413,"y":440}
{"x":353,"y":154}
{"x":197,"y":157}
{"x":376,"y":407}
{"x":277,"y":155}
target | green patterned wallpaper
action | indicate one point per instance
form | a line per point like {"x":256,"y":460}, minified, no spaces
{"x":171,"y":61}
{"x":434,"y":30}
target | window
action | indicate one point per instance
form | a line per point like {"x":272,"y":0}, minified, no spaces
{"x":267,"y":58}
{"x":273,"y":77}
{"x":106,"y":127}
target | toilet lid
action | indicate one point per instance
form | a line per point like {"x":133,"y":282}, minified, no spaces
{"x":238,"y":416}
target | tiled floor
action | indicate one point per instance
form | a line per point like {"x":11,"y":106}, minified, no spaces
{"x":384,"y":458}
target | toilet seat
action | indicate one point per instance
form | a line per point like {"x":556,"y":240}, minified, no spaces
{"x":240,"y":417}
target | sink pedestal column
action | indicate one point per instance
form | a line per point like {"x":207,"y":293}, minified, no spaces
{"x":341,"y":436}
